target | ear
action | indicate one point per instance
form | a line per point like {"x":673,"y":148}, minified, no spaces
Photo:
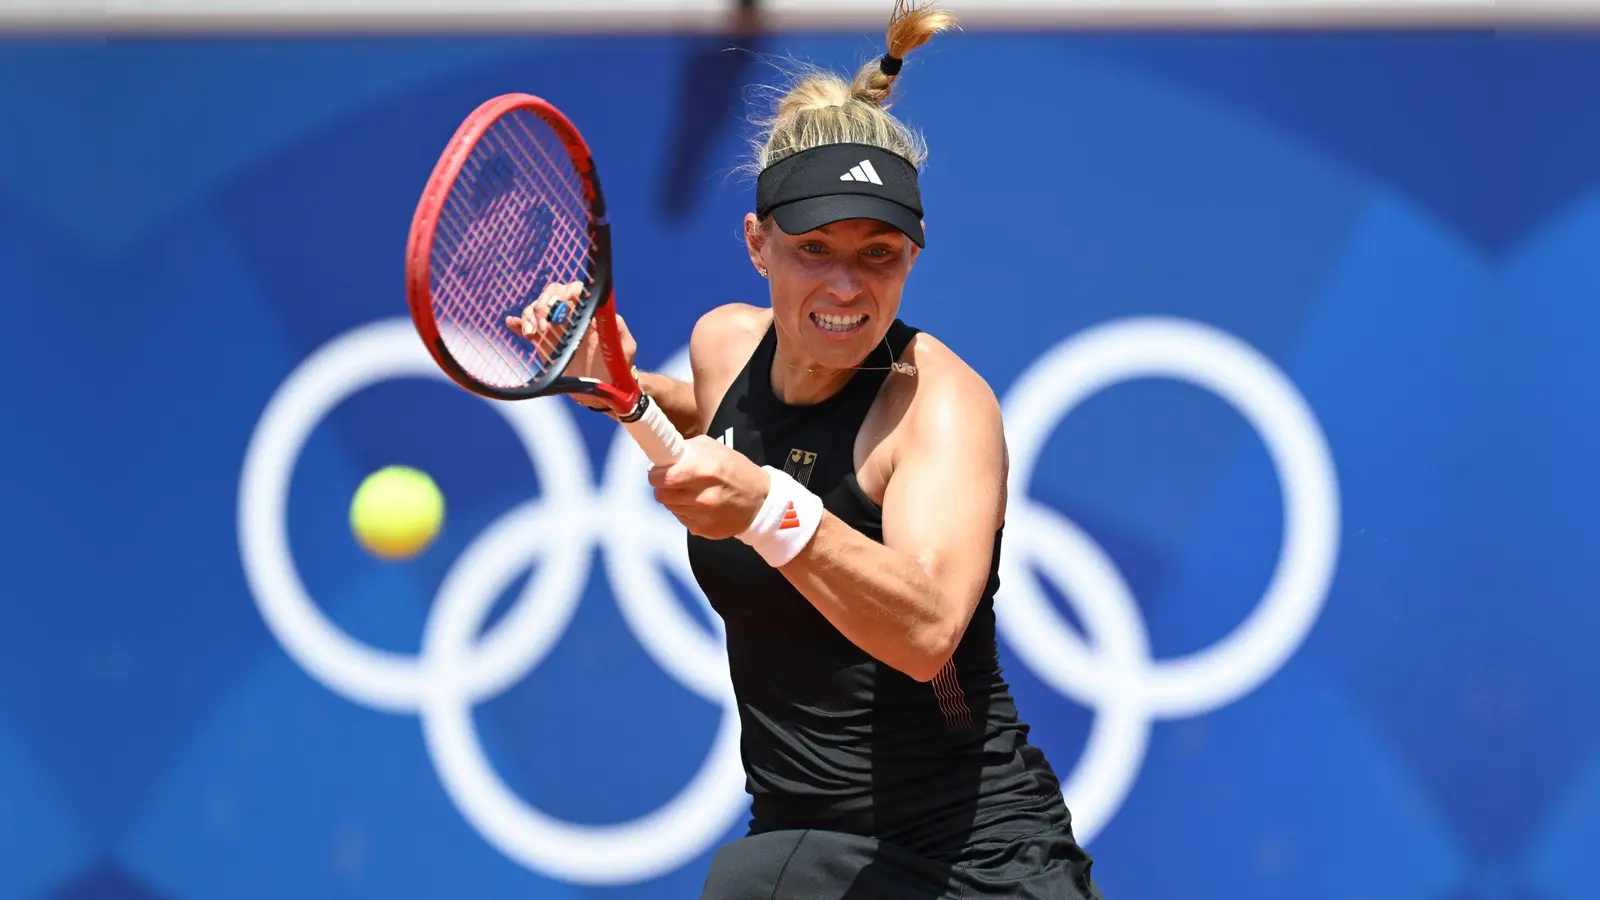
{"x":755,"y":241}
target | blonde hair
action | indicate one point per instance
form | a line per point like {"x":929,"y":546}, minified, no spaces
{"x":821,"y":108}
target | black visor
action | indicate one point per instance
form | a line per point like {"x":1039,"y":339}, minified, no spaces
{"x":835,"y":182}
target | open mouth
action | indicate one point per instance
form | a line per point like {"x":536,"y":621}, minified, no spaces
{"x":835,"y":324}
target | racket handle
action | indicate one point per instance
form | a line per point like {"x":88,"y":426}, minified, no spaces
{"x":655,"y":433}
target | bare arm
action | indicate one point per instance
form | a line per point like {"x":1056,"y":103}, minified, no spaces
{"x":907,"y":601}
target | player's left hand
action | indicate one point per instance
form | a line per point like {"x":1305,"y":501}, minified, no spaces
{"x":714,"y":490}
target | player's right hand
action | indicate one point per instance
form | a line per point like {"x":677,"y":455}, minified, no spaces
{"x":536,"y":327}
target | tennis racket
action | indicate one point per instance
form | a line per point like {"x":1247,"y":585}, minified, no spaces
{"x":513,"y":205}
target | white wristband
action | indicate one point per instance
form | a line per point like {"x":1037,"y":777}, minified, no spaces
{"x":786,"y":521}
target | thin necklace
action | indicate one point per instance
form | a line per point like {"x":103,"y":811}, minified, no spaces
{"x":902,"y":368}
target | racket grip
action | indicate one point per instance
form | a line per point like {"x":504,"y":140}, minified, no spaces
{"x":655,"y":433}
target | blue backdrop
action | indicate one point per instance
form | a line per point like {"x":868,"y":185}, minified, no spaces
{"x":1387,"y":242}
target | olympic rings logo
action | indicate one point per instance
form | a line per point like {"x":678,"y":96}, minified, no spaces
{"x":1114,"y":673}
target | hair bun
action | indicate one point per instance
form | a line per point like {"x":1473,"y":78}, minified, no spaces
{"x":820,"y":107}
{"x":912,"y":25}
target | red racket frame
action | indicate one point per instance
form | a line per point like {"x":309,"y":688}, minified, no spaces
{"x":623,"y":394}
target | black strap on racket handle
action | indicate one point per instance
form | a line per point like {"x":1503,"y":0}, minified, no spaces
{"x":639,"y":409}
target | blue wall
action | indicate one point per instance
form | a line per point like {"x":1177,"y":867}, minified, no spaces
{"x":1385,"y":245}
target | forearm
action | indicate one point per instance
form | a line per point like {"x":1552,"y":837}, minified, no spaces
{"x":676,"y":399}
{"x":883,"y":600}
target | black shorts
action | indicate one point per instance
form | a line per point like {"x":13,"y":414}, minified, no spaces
{"x":828,"y":865}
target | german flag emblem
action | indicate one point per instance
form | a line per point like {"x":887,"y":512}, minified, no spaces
{"x":798,"y":465}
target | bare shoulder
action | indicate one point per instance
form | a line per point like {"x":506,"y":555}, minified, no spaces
{"x":949,"y":398}
{"x":720,"y":345}
{"x":724,"y":338}
{"x":944,"y":410}
{"x":941,"y":426}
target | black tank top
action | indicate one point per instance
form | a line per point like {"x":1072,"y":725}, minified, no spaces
{"x":832,"y":738}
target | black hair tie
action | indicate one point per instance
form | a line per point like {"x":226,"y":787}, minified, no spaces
{"x":890,"y":65}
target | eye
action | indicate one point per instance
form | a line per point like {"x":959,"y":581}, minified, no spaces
{"x":879,"y":253}
{"x":812,"y":248}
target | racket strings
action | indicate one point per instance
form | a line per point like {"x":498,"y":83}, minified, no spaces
{"x":491,"y":233}
{"x":462,"y":322}
{"x":515,"y":221}
{"x":568,"y":244}
{"x":573,"y":242}
{"x":467,"y":242}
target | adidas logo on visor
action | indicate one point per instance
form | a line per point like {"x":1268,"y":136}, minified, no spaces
{"x":862,"y":172}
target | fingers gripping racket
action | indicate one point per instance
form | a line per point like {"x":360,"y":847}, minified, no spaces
{"x":513,"y":205}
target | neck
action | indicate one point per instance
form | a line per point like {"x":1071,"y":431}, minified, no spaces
{"x":800,"y":382}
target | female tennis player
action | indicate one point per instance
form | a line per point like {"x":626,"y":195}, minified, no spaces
{"x":843,"y":486}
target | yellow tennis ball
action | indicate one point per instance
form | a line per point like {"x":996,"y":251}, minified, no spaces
{"x":396,"y":512}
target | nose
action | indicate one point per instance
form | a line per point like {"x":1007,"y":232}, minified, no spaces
{"x":843,"y":284}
